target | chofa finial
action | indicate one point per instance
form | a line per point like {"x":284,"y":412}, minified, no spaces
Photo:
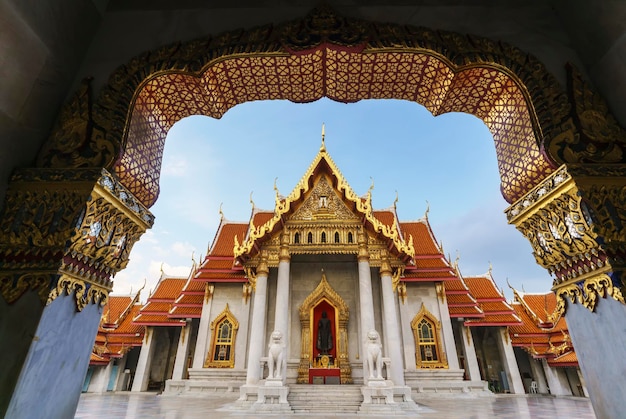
{"x":323,"y":146}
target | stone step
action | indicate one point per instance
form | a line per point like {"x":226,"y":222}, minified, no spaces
{"x":325,"y":398}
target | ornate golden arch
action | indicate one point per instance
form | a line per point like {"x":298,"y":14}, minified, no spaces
{"x":442,"y":360}
{"x":342,"y":313}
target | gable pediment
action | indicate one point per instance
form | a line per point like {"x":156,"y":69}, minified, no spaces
{"x":323,"y":203}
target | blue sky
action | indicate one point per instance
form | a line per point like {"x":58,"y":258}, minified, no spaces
{"x":448,"y":161}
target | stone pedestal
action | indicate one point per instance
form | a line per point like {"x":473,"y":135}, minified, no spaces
{"x":272,"y":397}
{"x":378,"y":397}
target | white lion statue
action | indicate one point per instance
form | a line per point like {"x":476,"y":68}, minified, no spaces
{"x":276,"y":355}
{"x":374,"y":355}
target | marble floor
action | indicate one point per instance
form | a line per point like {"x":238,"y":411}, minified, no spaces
{"x":152,"y":406}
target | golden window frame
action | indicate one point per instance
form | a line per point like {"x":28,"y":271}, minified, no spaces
{"x":441,"y":360}
{"x":210,"y":361}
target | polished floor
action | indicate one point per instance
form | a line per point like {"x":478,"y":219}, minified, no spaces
{"x":152,"y":406}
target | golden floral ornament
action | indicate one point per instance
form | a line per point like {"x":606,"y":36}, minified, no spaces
{"x":588,"y":293}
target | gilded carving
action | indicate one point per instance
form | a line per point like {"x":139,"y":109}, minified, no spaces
{"x":429,"y":350}
{"x":78,"y":140}
{"x":591,"y":134}
{"x":588,"y":293}
{"x":222,"y":351}
{"x":77,"y":225}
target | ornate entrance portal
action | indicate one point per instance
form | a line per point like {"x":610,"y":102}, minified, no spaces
{"x":316,"y":360}
{"x":561,"y":154}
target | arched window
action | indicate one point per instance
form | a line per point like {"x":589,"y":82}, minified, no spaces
{"x":350,"y":240}
{"x":296,"y":238}
{"x":336,"y":237}
{"x":222,"y":351}
{"x":323,"y":237}
{"x":310,"y":238}
{"x":429,"y":352}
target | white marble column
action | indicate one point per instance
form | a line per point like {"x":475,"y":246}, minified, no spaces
{"x":366,"y":299}
{"x":180,"y":361}
{"x":392,"y":326}
{"x":256,"y":346}
{"x":446,"y":328}
{"x":281,"y":313}
{"x":106,"y":377}
{"x":538,"y":375}
{"x":241,"y":344}
{"x":516,"y":386}
{"x":408,"y":341}
{"x":202,"y":341}
{"x":557,"y":380}
{"x":142,"y":373}
{"x":469,"y":352}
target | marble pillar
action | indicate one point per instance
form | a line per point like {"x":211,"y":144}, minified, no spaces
{"x":392,"y":327}
{"x":281,"y":313}
{"x":142,"y":373}
{"x":516,"y":386}
{"x":202,"y":342}
{"x":180,"y":362}
{"x":557,"y":380}
{"x":538,"y":375}
{"x":366,"y":300}
{"x":469,"y":352}
{"x":256,"y":348}
{"x":446,"y":328}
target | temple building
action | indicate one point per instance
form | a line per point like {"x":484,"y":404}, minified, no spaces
{"x":324,"y":289}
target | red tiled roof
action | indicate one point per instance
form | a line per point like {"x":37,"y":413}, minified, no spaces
{"x":423,"y":239}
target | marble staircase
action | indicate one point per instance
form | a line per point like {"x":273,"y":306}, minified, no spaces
{"x":328,"y":399}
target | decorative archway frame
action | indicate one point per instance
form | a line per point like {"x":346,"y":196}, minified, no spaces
{"x":226,"y":314}
{"x":442,"y":359}
{"x":125,"y":128}
{"x":324,"y":291}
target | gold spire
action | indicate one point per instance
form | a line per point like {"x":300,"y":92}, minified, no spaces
{"x":323,"y":146}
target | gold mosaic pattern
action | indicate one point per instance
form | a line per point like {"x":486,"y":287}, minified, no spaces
{"x":343,"y":76}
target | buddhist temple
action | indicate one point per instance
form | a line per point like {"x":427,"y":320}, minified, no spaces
{"x":325,"y":297}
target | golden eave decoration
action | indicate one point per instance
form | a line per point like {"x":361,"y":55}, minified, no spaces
{"x":284,"y":206}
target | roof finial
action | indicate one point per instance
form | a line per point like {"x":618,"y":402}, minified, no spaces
{"x":251,"y":201}
{"x":369,"y":191}
{"x":490,"y":268}
{"x":276,"y":190}
{"x":193,"y":259}
{"x":427,"y":209}
{"x":221,"y":212}
{"x":323,"y":146}
{"x":162,"y":269}
{"x":395,"y":202}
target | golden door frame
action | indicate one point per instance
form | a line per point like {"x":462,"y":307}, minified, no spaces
{"x":324,"y":291}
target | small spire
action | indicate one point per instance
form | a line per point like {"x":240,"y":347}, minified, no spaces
{"x":323,"y":146}
{"x":276,"y":190}
{"x":221,"y":212}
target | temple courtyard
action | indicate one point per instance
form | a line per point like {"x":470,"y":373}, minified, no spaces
{"x":152,"y":406}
